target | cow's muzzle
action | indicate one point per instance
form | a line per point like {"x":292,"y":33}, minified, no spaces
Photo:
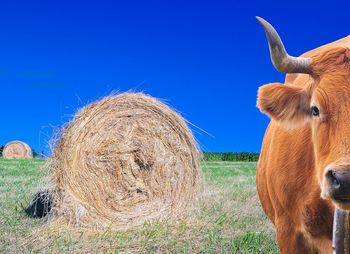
{"x":339,"y":186}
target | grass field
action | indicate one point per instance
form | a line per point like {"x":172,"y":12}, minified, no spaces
{"x":227,"y":219}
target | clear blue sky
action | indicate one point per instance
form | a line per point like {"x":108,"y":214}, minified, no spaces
{"x":206,"y":58}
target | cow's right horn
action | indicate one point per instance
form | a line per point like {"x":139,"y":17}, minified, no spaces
{"x":280,"y":58}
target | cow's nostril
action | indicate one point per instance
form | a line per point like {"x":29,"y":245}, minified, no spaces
{"x":339,"y":184}
{"x":333,"y":179}
{"x":336,"y":183}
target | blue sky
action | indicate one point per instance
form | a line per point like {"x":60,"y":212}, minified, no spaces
{"x":205,"y":58}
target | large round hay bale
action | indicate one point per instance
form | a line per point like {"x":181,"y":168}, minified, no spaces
{"x":123,"y":160}
{"x":17,"y":150}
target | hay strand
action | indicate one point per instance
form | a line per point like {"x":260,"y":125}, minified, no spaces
{"x":123,"y":160}
{"x":17,"y":150}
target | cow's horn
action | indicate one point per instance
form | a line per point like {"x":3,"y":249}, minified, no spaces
{"x":280,"y":58}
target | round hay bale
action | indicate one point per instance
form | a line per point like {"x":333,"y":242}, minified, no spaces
{"x":17,"y":150}
{"x":123,"y":160}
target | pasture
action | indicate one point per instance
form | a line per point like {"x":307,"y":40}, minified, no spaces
{"x":227,"y":218}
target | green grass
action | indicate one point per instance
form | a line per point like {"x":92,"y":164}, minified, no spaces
{"x":227,"y":219}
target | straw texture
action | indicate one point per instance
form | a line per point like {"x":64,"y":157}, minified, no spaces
{"x":17,"y":150}
{"x":123,"y":160}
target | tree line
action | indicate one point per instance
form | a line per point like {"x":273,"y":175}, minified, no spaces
{"x":231,"y":156}
{"x":207,"y":156}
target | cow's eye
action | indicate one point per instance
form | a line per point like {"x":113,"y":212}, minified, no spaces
{"x":315,"y":111}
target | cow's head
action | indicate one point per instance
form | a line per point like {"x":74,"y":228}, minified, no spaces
{"x":323,"y":103}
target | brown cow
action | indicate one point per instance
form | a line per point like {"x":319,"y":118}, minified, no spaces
{"x":304,"y":167}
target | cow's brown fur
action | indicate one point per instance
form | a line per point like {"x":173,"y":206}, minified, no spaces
{"x":298,"y":149}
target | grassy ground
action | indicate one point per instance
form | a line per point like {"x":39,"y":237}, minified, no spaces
{"x":228,"y":218}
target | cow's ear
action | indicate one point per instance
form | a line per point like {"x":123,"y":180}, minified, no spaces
{"x":290,"y":106}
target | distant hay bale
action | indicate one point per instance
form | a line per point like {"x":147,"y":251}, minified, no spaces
{"x":17,"y":150}
{"x":124,"y":160}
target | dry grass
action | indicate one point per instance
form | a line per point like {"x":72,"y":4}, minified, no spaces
{"x":17,"y":150}
{"x":228,"y":218}
{"x":121,"y":161}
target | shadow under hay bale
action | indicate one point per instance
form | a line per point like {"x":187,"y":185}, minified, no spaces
{"x":40,"y":206}
{"x":17,"y":150}
{"x":124,"y":160}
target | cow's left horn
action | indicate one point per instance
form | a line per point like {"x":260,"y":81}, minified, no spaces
{"x":280,"y":58}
